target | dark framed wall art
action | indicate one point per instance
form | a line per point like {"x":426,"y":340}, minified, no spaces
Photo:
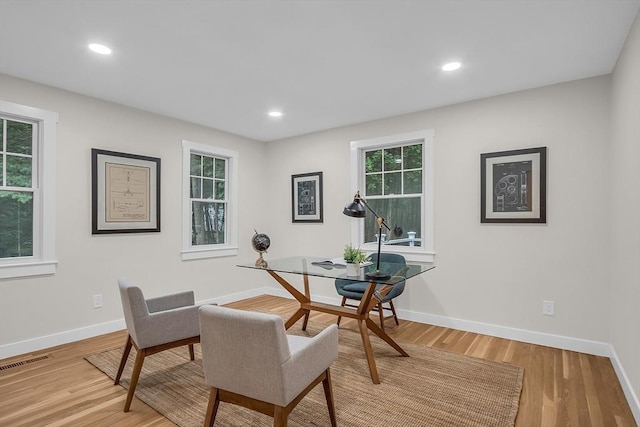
{"x":306,"y":197}
{"x":125,"y":193}
{"x":514,"y":186}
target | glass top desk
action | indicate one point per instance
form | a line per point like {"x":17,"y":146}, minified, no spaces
{"x":307,"y":266}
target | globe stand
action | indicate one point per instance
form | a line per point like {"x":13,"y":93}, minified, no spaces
{"x":260,"y":262}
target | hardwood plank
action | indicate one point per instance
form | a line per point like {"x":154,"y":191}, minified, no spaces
{"x":560,"y":388}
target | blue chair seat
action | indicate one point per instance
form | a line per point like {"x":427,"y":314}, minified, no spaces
{"x":354,"y":290}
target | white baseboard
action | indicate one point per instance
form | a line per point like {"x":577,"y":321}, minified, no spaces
{"x":538,"y":338}
{"x":47,"y":341}
{"x":631,"y":396}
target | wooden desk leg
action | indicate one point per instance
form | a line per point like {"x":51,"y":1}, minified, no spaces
{"x":364,"y":333}
{"x":383,"y":335}
{"x":295,"y":317}
{"x":307,"y":294}
{"x":299,"y":296}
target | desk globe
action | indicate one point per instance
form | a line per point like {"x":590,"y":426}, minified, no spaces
{"x":260,"y":243}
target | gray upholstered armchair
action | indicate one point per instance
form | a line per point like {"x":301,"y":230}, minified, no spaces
{"x":249,"y":360}
{"x":155,"y":325}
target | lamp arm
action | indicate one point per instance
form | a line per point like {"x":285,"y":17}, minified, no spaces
{"x":381,"y":221}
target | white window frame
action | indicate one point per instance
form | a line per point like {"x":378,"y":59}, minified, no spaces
{"x":43,"y":261}
{"x":425,"y":252}
{"x":230,"y":248}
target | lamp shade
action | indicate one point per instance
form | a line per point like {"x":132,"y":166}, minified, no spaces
{"x":355,"y":209}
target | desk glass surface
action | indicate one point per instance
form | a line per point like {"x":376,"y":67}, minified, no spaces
{"x":304,"y":265}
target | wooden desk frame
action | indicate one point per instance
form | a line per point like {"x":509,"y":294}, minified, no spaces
{"x":360,"y":314}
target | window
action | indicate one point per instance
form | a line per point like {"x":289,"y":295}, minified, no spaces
{"x":209,"y":201}
{"x":27,"y":190}
{"x":394,"y":174}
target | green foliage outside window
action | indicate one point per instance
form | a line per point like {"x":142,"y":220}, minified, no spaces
{"x":16,"y":205}
{"x":208,"y":205}
{"x":393,"y":188}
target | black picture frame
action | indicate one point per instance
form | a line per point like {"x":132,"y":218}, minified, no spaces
{"x":513,"y":186}
{"x":306,"y":197}
{"x":125,"y":193}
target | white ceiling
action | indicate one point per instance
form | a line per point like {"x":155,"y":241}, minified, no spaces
{"x":225,"y":64}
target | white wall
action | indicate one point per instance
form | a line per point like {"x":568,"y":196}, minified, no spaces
{"x":494,"y":274}
{"x":36,"y":307}
{"x":625,"y":212}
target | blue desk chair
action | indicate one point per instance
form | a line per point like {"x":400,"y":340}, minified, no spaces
{"x":354,"y":290}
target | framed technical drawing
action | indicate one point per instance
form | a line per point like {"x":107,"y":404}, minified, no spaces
{"x":125,"y":193}
{"x":306,"y":197}
{"x":513,"y":186}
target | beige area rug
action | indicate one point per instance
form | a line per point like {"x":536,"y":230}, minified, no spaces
{"x":430,"y":388}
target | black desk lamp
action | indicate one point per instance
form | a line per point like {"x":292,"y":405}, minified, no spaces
{"x":356,"y":209}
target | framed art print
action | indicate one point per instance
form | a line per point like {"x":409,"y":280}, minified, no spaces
{"x":306,"y":197}
{"x":513,"y":186}
{"x":125,"y":193}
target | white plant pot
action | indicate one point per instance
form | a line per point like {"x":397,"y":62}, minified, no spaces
{"x":353,"y":270}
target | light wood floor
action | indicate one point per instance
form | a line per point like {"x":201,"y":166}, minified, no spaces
{"x":561,"y":388}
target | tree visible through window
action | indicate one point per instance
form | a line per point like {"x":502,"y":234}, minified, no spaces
{"x":17,"y":186}
{"x":394,"y":174}
{"x":393,"y":188}
{"x":27,"y":190}
{"x":208,"y":200}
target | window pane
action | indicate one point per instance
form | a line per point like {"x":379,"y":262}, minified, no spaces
{"x":208,"y":223}
{"x":373,"y":161}
{"x":393,"y":159}
{"x":195,"y":188}
{"x":413,"y":182}
{"x":220,"y":193}
{"x":19,"y":171}
{"x":401,"y":214}
{"x":412,"y":156}
{"x":374,"y":185}
{"x":1,"y":169}
{"x":16,"y":224}
{"x":220,"y":168}
{"x":207,"y":167}
{"x":393,"y":183}
{"x":207,"y":189}
{"x":19,"y":137}
{"x":196,"y":163}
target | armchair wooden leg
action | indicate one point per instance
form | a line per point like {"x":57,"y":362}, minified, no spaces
{"x":192,"y":355}
{"x":279,"y":416}
{"x":212,"y":407}
{"x":137,"y":367}
{"x":328,"y":394}
{"x":381,"y":315}
{"x":123,"y":361}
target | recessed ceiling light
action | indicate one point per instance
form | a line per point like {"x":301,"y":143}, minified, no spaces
{"x":275,"y":113}
{"x":451,"y":66}
{"x":100,"y":48}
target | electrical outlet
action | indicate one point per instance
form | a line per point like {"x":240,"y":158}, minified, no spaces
{"x":97,"y":301}
{"x":548,"y":308}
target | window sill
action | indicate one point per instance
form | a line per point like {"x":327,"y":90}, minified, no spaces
{"x":204,"y":253}
{"x":26,"y":269}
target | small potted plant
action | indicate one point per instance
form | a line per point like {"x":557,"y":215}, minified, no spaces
{"x":354,"y":257}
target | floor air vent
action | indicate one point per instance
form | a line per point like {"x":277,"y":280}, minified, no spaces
{"x":22,"y":362}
